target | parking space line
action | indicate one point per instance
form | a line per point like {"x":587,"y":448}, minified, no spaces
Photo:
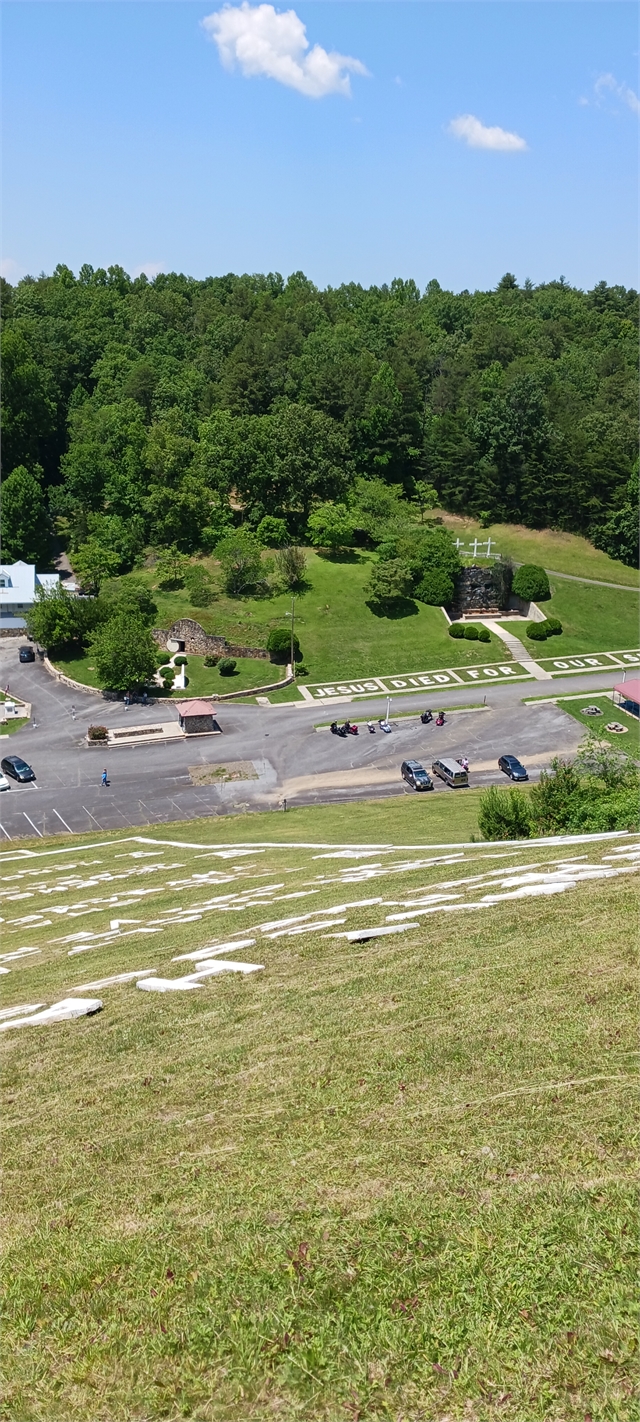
{"x":35,"y":827}
{"x":63,"y":822}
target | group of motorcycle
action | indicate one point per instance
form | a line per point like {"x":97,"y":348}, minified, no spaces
{"x":349,"y":728}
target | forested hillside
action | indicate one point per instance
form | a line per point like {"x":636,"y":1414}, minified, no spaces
{"x":157,"y":412}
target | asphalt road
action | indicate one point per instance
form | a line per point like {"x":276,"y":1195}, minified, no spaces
{"x":150,"y":784}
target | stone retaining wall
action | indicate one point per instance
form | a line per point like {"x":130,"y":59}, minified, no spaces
{"x":483,"y":591}
{"x":203,"y":644}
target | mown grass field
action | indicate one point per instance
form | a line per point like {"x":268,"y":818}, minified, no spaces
{"x":339,"y":634}
{"x":202,"y":681}
{"x":593,"y":620}
{"x":563,"y":552}
{"x":630,"y":743}
{"x":383,"y":1179}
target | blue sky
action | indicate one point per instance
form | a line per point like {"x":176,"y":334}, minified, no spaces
{"x":134,"y":136}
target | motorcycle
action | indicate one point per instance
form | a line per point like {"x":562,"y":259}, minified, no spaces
{"x":384,"y":726}
{"x":350,"y":728}
{"x":372,"y":729}
{"x":334,"y":728}
{"x":440,"y":718}
{"x":426,"y":717}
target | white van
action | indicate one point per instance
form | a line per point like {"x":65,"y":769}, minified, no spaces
{"x":450,"y":772}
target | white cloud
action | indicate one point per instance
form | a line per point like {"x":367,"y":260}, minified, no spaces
{"x":470,"y":130}
{"x":262,"y":41}
{"x":608,"y":83}
{"x":150,"y":269}
{"x":11,"y":271}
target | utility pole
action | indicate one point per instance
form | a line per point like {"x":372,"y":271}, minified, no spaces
{"x":293,"y":664}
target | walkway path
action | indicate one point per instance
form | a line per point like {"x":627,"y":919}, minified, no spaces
{"x":594,"y":582}
{"x":518,"y":650}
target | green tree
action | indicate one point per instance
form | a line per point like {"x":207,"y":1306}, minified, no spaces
{"x":93,"y":564}
{"x":389,"y":582}
{"x":436,"y":588}
{"x":272,"y":532}
{"x":619,"y":535}
{"x":28,"y":413}
{"x":56,"y":619}
{"x":425,"y":496}
{"x":171,"y":568}
{"x":125,"y":653}
{"x":239,"y":554}
{"x":120,"y":597}
{"x":24,"y":518}
{"x":198,"y":581}
{"x":331,"y":526}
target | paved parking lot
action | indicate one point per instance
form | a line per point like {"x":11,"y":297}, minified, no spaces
{"x":150,"y":784}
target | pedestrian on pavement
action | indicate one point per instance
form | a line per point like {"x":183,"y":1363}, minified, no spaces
{"x":6,"y":690}
{"x":73,"y":712}
{"x":105,"y":780}
{"x":126,"y":701}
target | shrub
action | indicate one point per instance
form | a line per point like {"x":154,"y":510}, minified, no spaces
{"x":331,"y":526}
{"x":279,"y":645}
{"x":272,"y":532}
{"x":97,"y":733}
{"x":227,"y":666}
{"x":180,"y":661}
{"x":211,"y":661}
{"x":291,"y":564}
{"x":531,"y":583}
{"x":552,"y":625}
{"x":389,"y":582}
{"x":537,"y":632}
{"x":504,"y":814}
{"x":470,"y":632}
{"x":484,"y":634}
{"x":456,"y":629}
{"x":301,"y":669}
{"x":168,"y":680}
{"x":166,"y":671}
{"x":435,"y":588}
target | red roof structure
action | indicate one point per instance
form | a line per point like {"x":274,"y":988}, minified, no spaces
{"x":199,"y":707}
{"x":629,"y":690}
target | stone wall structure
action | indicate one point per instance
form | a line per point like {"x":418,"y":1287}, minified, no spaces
{"x":481,"y":591}
{"x":203,"y":644}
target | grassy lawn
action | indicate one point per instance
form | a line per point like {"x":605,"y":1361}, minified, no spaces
{"x":563,"y":552}
{"x":593,"y":620}
{"x":7,"y":728}
{"x":383,"y":1179}
{"x":339,"y":634}
{"x":630,"y":743}
{"x":203,"y":681}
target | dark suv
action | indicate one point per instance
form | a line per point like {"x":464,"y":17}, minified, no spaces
{"x":17,"y":768}
{"x":27,"y":654}
{"x":415,"y":775}
{"x":512,"y":767}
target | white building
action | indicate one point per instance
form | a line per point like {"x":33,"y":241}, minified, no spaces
{"x":18,"y":584}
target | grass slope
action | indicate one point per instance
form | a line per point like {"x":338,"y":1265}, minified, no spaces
{"x":390,"y":1179}
{"x":593,"y":620}
{"x":563,"y":552}
{"x":339,"y":634}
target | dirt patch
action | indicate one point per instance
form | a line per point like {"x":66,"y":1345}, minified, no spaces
{"x":212,"y":774}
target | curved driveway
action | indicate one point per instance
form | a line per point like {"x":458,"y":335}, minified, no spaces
{"x":150,"y":784}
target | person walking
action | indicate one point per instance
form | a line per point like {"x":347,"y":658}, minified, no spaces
{"x":105,"y":780}
{"x":73,"y":712}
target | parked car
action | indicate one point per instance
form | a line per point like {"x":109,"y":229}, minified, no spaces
{"x":512,"y":767}
{"x":415,"y":775}
{"x":4,"y":783}
{"x":17,"y":768}
{"x":451,"y":772}
{"x":27,"y":654}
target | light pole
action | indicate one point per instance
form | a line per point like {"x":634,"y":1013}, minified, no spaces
{"x":293,"y":609}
